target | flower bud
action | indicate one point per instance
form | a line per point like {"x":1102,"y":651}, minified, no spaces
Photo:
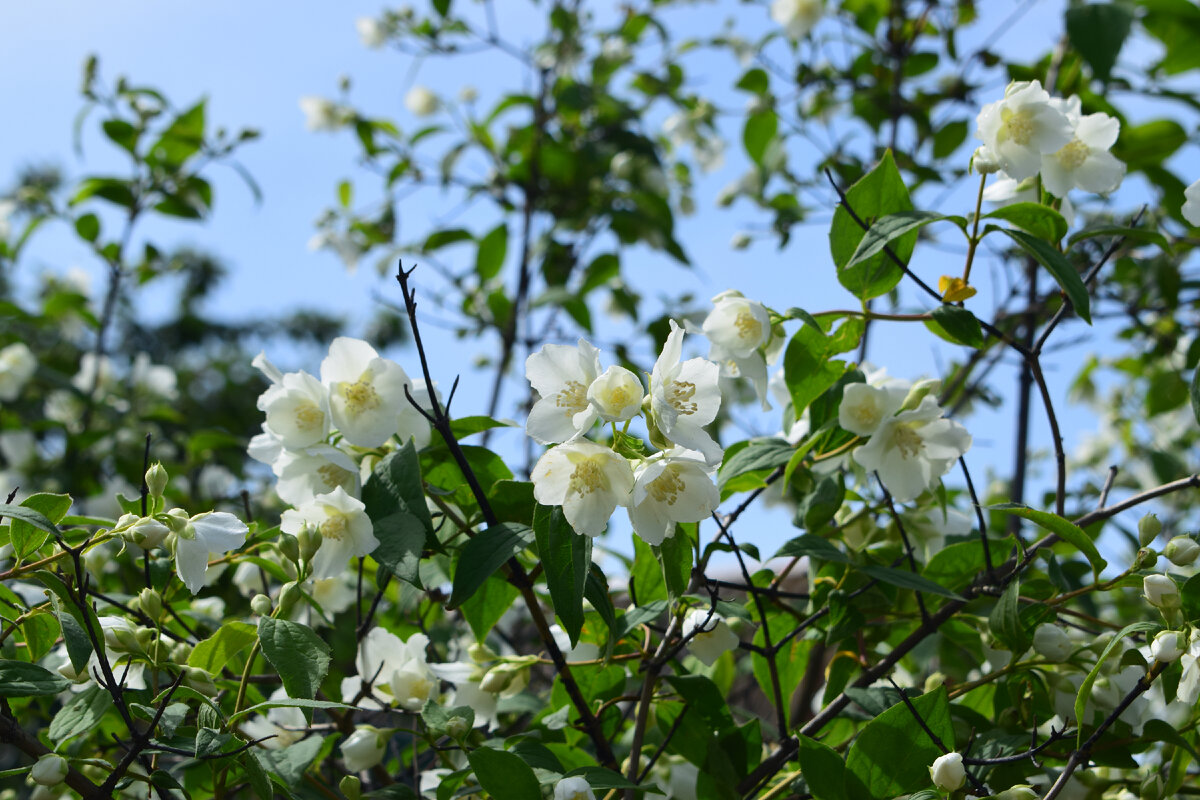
{"x":1148,"y":529}
{"x":150,"y":602}
{"x":364,"y":748}
{"x":984,"y":161}
{"x":125,"y":521}
{"x":261,"y":604}
{"x":288,"y":596}
{"x":1161,"y":591}
{"x":309,"y":540}
{"x":1020,"y":791}
{"x":1182,"y":551}
{"x":1051,"y":642}
{"x":180,"y":652}
{"x":350,"y":787}
{"x":1147,"y":558}
{"x":934,"y":681}
{"x":176,"y":519}
{"x":199,"y":680}
{"x":457,"y":727}
{"x":156,"y":480}
{"x":497,"y":679}
{"x":480,"y":653}
{"x":740,"y":240}
{"x":919,"y":391}
{"x":948,"y":773}
{"x":289,"y":548}
{"x":468,"y":94}
{"x":1152,"y":788}
{"x":145,"y":638}
{"x":50,"y":770}
{"x":1168,"y":646}
{"x":147,"y":533}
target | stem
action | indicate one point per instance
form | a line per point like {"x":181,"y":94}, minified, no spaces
{"x":974,"y":241}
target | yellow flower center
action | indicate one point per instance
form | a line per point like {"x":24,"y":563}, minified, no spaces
{"x":308,"y":416}
{"x":573,"y":397}
{"x":360,"y":396}
{"x":865,"y":414}
{"x":666,"y":487}
{"x":679,"y":395}
{"x":1018,"y":126}
{"x":335,"y":527}
{"x":1073,"y":154}
{"x":587,"y":477}
{"x":907,"y":440}
{"x":333,"y":475}
{"x":748,"y":326}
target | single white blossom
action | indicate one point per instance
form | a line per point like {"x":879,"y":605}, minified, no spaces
{"x":304,"y":474}
{"x":864,"y":407}
{"x":1085,"y":161}
{"x":366,"y":396}
{"x":1168,"y":646}
{"x":371,"y":32}
{"x":1052,"y":643}
{"x":711,"y":636}
{"x":210,"y":533}
{"x":1191,"y":206}
{"x":17,"y":365}
{"x":1182,"y":550}
{"x":561,"y":375}
{"x":322,"y":114}
{"x":685,"y":396}
{"x":948,"y":773}
{"x":280,"y":726}
{"x":574,"y":788}
{"x":797,"y":17}
{"x":51,"y":770}
{"x":155,"y":379}
{"x":1189,"y":683}
{"x":913,"y":449}
{"x":364,"y":748}
{"x":392,"y":666}
{"x":616,"y":394}
{"x":346,"y":530}
{"x":589,"y":481}
{"x":739,"y":330}
{"x":667,"y":490}
{"x":421,"y":101}
{"x":296,"y":405}
{"x":1161,"y":591}
{"x":1023,"y":127}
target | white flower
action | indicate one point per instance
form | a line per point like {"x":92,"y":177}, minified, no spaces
{"x":484,"y":704}
{"x":589,"y":481}
{"x":364,"y":748}
{"x":1052,"y":642}
{"x":797,"y":17}
{"x":51,"y":770}
{"x":1182,"y":550}
{"x":1005,"y":191}
{"x":322,"y":114}
{"x":561,"y":374}
{"x":1085,"y":162}
{"x":304,"y":474}
{"x":1161,"y":591}
{"x":296,"y":405}
{"x":710,"y":635}
{"x":948,"y":773}
{"x":366,"y":396}
{"x":575,"y":788}
{"x":685,"y":396}
{"x":395,"y":666}
{"x":371,"y":32}
{"x":1191,"y":208}
{"x":17,"y":365}
{"x":203,"y":535}
{"x":913,"y":449}
{"x":1189,"y":683}
{"x":1023,"y":127}
{"x":1168,"y":646}
{"x":738,"y":328}
{"x":864,"y":407}
{"x":345,"y":529}
{"x":668,"y":490}
{"x":1019,"y":791}
{"x":285,"y":724}
{"x":421,"y":101}
{"x":616,"y":394}
{"x":156,"y":379}
{"x":8,"y":207}
{"x":984,"y":162}
{"x":584,"y":651}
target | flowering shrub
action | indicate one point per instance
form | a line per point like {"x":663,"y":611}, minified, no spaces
{"x":338,"y":584}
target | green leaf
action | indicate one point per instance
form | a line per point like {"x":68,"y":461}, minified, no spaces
{"x":907,"y":580}
{"x":675,"y":553}
{"x":299,"y":656}
{"x":219,"y":649}
{"x":814,"y":546}
{"x":114,"y":190}
{"x":1135,"y":234}
{"x":1068,"y":279}
{"x":401,"y":540}
{"x":286,"y":702}
{"x":949,"y":138}
{"x":759,"y":132}
{"x":395,"y":485}
{"x":1005,"y":620}
{"x":1064,"y":529}
{"x":1149,"y":144}
{"x":1042,"y":221}
{"x":79,"y":646}
{"x":485,"y":553}
{"x":504,"y":775}
{"x":1189,"y":594}
{"x":565,"y":557}
{"x":444,"y":238}
{"x":88,"y":227}
{"x":758,"y":454}
{"x":891,"y":227}
{"x":487,"y":605}
{"x":289,"y":763}
{"x":33,"y":522}
{"x":182,"y":139}
{"x":892,"y":753}
{"x":210,"y":742}
{"x":959,"y":324}
{"x":22,"y":679}
{"x":1157,"y":730}
{"x":121,"y":133}
{"x":877,"y":194}
{"x":1097,"y":31}
{"x":1085,"y":688}
{"x":822,"y":768}
{"x":41,"y":632}
{"x":493,"y":247}
{"x":260,"y":784}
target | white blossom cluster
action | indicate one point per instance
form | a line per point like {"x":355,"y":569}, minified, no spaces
{"x":1030,"y":133}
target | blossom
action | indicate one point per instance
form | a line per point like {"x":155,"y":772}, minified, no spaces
{"x":1182,"y":550}
{"x":364,"y":748}
{"x":371,"y":32}
{"x":296,"y":405}
{"x":616,"y":395}
{"x":1189,"y":683}
{"x":913,"y":449}
{"x":1168,"y":646}
{"x":1023,"y":127}
{"x":156,"y":379}
{"x":346,"y":530}
{"x":668,"y":490}
{"x":797,"y":17}
{"x":738,"y":330}
{"x":1191,"y":208}
{"x":322,"y":114}
{"x":280,"y":726}
{"x":421,"y":101}
{"x":561,"y":375}
{"x":1052,"y":642}
{"x":366,"y":395}
{"x":304,"y":474}
{"x":948,"y":773}
{"x":1161,"y":591}
{"x":685,"y":396}
{"x":864,"y":407}
{"x":589,"y":482}
{"x":398,"y":667}
{"x":573,"y":788}
{"x":17,"y":365}
{"x":1085,"y":161}
{"x":213,"y":532}
{"x":710,"y":635}
{"x":51,"y":770}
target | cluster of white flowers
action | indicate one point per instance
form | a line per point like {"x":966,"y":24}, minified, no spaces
{"x":323,"y":114}
{"x":17,"y":365}
{"x":1029,"y":132}
{"x":911,"y":444}
{"x":320,"y":436}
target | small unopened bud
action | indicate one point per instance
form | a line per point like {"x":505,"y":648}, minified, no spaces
{"x":457,"y":727}
{"x":289,"y":548}
{"x":1021,"y":791}
{"x":350,"y":787}
{"x":199,"y":680}
{"x":145,"y":637}
{"x":919,"y":391}
{"x":740,"y":240}
{"x":261,"y":604}
{"x":147,"y":533}
{"x":176,"y":519}
{"x":1168,"y":646}
{"x":1051,"y":642}
{"x":1152,"y":788}
{"x":120,"y":639}
{"x":1161,"y":591}
{"x":934,"y":681}
{"x":948,"y":773}
{"x":984,"y":161}
{"x":480,"y":653}
{"x":1146,"y":558}
{"x":50,"y":770}
{"x":288,"y":596}
{"x":1148,"y":529}
{"x":150,"y":602}
{"x":1182,"y":551}
{"x":309,"y":539}
{"x":180,"y":652}
{"x":156,"y":480}
{"x":497,"y":679}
